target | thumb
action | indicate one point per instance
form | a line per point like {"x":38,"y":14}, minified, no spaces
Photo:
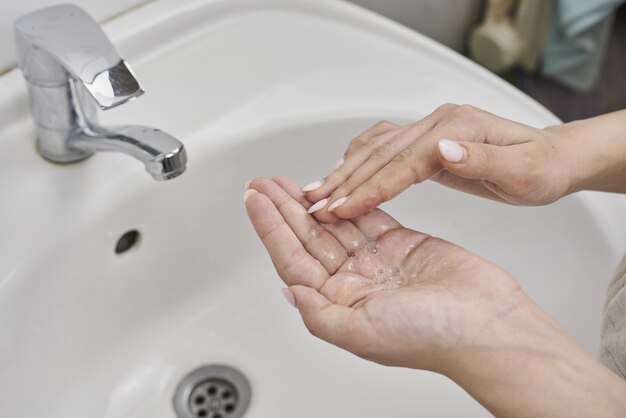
{"x":330,"y":322}
{"x":473,"y":160}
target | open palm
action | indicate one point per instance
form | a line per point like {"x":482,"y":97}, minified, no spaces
{"x":375,"y":288}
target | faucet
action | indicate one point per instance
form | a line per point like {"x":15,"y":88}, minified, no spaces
{"x":71,"y":68}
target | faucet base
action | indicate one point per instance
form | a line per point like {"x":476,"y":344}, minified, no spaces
{"x":52,"y":145}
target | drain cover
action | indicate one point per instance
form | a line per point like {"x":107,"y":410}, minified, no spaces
{"x":214,"y":391}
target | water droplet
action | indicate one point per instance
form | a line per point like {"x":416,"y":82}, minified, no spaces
{"x":330,"y":255}
{"x":372,"y":248}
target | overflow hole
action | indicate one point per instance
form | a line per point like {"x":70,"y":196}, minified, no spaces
{"x":127,"y":241}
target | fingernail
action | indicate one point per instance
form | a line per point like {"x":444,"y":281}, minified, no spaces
{"x":313,"y":186}
{"x":339,"y":163}
{"x":247,"y":186}
{"x":338,"y":203}
{"x":319,"y":205}
{"x":290,"y":298}
{"x":248,"y":193}
{"x":451,"y":151}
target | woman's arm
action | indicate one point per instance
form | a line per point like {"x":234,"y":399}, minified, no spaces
{"x":535,"y":369}
{"x":597,"y":152}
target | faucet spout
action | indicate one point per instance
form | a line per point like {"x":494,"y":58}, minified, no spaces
{"x":72,"y":68}
{"x":163,"y":155}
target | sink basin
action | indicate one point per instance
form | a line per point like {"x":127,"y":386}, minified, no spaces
{"x":253,"y":88}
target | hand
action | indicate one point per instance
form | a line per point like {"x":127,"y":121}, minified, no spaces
{"x":384,"y":292}
{"x":402,"y":298}
{"x":459,"y":146}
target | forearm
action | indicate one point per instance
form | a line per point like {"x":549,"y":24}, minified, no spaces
{"x":595,"y":151}
{"x":532,"y":368}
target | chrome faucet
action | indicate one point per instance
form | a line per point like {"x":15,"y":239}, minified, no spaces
{"x":71,"y":68}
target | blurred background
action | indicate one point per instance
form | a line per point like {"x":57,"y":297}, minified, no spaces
{"x":570,"y":55}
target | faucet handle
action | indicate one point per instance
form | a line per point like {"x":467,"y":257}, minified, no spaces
{"x":57,"y":40}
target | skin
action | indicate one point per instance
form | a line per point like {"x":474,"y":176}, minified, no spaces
{"x":445,"y":309}
{"x":503,"y":160}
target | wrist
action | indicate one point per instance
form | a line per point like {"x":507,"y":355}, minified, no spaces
{"x":571,"y":156}
{"x":593,"y":152}
{"x":527,"y":365}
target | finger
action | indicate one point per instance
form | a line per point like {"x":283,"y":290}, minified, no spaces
{"x":339,"y":325}
{"x":377,"y":129}
{"x":380,"y":132}
{"x":348,"y":234}
{"x":315,"y":239}
{"x":351,"y":164}
{"x":375,"y":223}
{"x":382,"y":156}
{"x":415,"y":164}
{"x":292,"y":262}
{"x":293,"y":189}
{"x":502,"y":165}
{"x":475,"y":187}
{"x":497,"y":190}
{"x":296,"y":193}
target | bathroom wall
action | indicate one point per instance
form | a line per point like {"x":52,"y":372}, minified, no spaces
{"x":447,"y":21}
{"x":444,"y":20}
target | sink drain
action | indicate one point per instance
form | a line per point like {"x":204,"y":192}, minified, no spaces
{"x":214,"y":391}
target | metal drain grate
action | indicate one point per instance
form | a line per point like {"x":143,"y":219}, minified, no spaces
{"x":214,"y":398}
{"x":215,"y":391}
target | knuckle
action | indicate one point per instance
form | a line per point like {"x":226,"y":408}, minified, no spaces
{"x":466,"y":109}
{"x":384,"y":125}
{"x":446,"y":108}
{"x":482,"y":158}
{"x":403,"y":158}
{"x":467,"y":114}
{"x":487,"y":154}
{"x":337,"y":177}
{"x":383,"y":151}
{"x":406,"y":158}
{"x":357,"y":142}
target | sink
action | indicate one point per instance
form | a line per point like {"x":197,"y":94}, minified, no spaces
{"x":253,"y":88}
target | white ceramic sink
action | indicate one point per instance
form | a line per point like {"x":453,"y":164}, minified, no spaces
{"x":253,"y":88}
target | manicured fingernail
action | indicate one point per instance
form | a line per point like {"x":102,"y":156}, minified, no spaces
{"x":247,"y":186}
{"x":451,"y":151}
{"x":290,"y":298}
{"x":313,"y":186}
{"x":337,"y":203}
{"x":248,"y":193}
{"x":319,"y":205}
{"x":339,"y":163}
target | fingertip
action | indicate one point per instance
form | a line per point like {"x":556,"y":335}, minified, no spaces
{"x":255,"y":183}
{"x":247,"y":194}
{"x":357,"y":206}
{"x":325,"y":217}
{"x":289,"y":297}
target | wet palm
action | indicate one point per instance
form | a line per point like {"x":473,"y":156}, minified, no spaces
{"x":375,"y":288}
